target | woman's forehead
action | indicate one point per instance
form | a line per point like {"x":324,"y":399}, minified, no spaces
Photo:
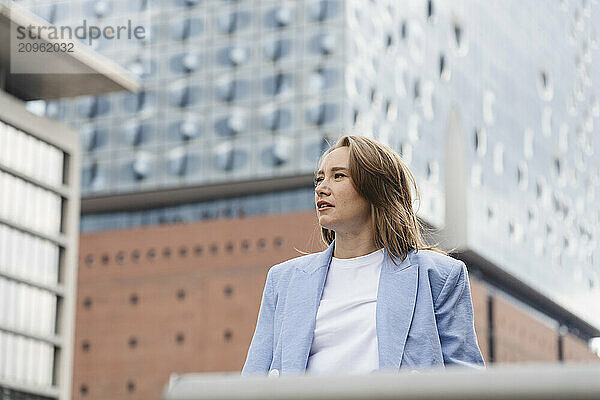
{"x":338,"y":157}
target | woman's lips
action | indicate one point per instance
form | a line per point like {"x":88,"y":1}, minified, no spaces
{"x":325,"y":208}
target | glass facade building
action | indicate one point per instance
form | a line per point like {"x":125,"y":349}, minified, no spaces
{"x":493,"y":106}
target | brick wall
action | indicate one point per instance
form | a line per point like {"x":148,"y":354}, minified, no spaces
{"x":184,"y":298}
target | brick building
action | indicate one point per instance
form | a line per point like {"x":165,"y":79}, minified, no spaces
{"x":184,"y":298}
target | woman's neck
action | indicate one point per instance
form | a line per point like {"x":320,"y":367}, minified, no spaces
{"x":349,"y":246}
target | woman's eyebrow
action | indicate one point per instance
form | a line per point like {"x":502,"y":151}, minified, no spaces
{"x":332,"y":169}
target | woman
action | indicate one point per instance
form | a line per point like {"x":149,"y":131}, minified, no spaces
{"x":378,"y":298}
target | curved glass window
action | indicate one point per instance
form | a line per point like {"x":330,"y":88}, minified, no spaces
{"x":93,"y":138}
{"x":322,"y":10}
{"x":323,"y":43}
{"x":233,"y":56}
{"x":177,"y":161}
{"x":91,"y":107}
{"x":279,"y":17}
{"x":185,"y":63}
{"x":55,"y":109}
{"x":186,"y":3}
{"x":233,"y":22}
{"x":321,"y":79}
{"x":186,"y":129}
{"x":139,"y":101}
{"x":275,"y":120}
{"x":141,"y":67}
{"x":278,"y":49}
{"x":232,"y":90}
{"x":228,"y":158}
{"x":99,"y":8}
{"x":277,"y":84}
{"x":183,"y":163}
{"x":186,"y":28}
{"x":53,"y":13}
{"x":184,"y":96}
{"x":94,"y":176}
{"x":314,"y":150}
{"x":141,"y":5}
{"x":136,"y":133}
{"x":142,"y":166}
{"x":278,"y":154}
{"x":231,"y":125}
{"x":320,"y":114}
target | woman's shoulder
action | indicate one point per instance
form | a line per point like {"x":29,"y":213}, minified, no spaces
{"x":434,"y":259}
{"x":438,"y":267}
{"x":286,"y":268}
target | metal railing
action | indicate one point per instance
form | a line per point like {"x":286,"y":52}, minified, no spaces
{"x":532,"y":381}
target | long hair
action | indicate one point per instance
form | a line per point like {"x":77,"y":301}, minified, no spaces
{"x":380,"y":176}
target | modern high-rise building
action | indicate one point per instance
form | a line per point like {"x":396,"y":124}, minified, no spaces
{"x":242,"y":94}
{"x":494,"y":107}
{"x":40,"y":161}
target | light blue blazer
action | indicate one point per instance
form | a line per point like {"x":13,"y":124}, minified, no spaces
{"x":424,"y":314}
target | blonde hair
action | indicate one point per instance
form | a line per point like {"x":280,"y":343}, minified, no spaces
{"x":380,"y":176}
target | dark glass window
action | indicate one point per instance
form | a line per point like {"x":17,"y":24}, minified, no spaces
{"x":93,"y":138}
{"x":142,"y":67}
{"x":98,"y":8}
{"x":314,"y":150}
{"x":277,"y":49}
{"x":139,"y":101}
{"x":231,"y":125}
{"x":233,"y":55}
{"x":181,"y":163}
{"x":320,"y":114}
{"x":323,"y":43}
{"x":141,"y":167}
{"x":322,"y":79}
{"x":277,"y":155}
{"x":136,"y":133}
{"x":233,"y":22}
{"x":232,"y":90}
{"x":186,"y":129}
{"x":94,"y":176}
{"x":186,"y":28}
{"x":230,"y":159}
{"x":184,"y":96}
{"x":91,"y":107}
{"x":277,"y":84}
{"x":279,"y":17}
{"x":186,"y":3}
{"x":322,"y":10}
{"x":185,"y":63}
{"x":53,"y":13}
{"x":276,"y":119}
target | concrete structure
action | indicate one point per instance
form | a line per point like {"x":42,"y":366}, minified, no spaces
{"x":514,"y":382}
{"x":40,"y":161}
{"x":184,"y":298}
{"x":39,"y":233}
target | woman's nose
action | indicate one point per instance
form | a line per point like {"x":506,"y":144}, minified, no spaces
{"x":321,"y":189}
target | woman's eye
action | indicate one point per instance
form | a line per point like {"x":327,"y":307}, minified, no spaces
{"x":317,"y":180}
{"x":339,"y":175}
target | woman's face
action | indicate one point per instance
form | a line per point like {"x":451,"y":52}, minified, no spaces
{"x":347,"y":211}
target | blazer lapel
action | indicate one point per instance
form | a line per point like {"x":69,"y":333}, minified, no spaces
{"x":302,"y":301}
{"x":396,"y":299}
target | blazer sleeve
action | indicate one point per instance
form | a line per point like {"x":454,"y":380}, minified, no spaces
{"x":260,"y":353}
{"x":454,"y":316}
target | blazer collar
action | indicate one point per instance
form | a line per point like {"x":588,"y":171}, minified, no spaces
{"x":323,"y":259}
{"x":395,"y":305}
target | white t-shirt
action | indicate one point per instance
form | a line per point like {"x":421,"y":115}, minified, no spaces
{"x":345,"y":338}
